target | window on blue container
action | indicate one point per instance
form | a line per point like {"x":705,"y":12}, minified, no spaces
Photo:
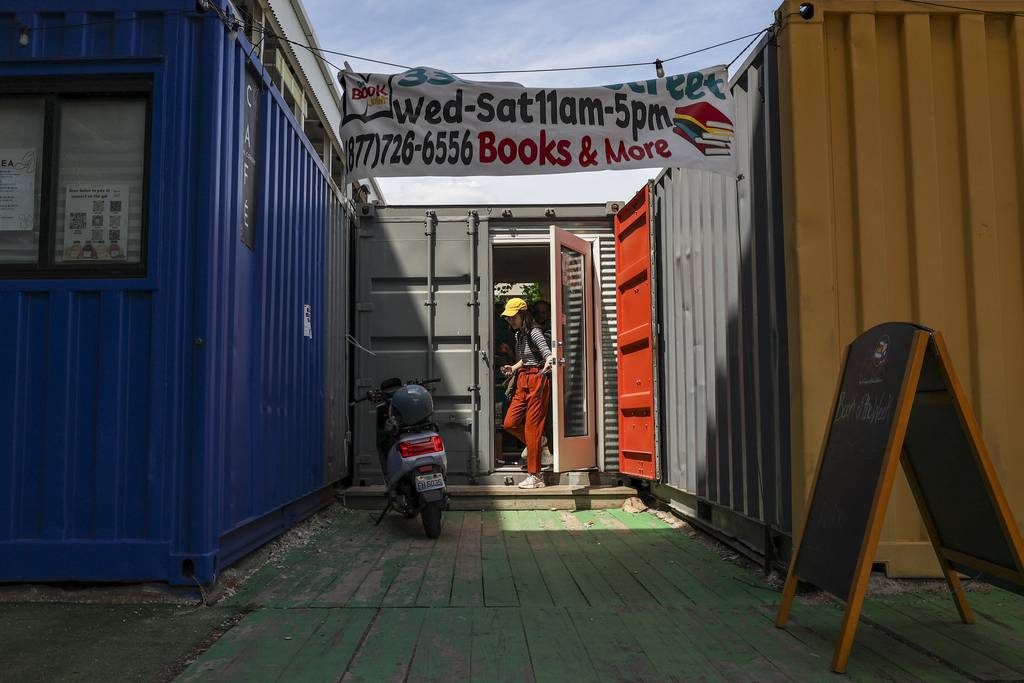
{"x":21,"y":181}
{"x":73,"y":185}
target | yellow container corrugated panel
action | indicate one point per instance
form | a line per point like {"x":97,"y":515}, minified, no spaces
{"x":902,"y":142}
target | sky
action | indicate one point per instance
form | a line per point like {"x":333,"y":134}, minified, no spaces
{"x":528,"y":34}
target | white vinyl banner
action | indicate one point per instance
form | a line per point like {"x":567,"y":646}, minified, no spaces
{"x":425,"y":122}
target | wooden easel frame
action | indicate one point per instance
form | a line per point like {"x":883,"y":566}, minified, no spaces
{"x":983,"y":460}
{"x":880,"y":501}
{"x":894,"y":454}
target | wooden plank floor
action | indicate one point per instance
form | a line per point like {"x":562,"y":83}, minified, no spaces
{"x":603,"y":595}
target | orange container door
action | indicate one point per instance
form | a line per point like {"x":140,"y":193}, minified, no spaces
{"x":634,"y":304}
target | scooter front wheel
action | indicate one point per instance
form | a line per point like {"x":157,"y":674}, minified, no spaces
{"x":431,"y":514}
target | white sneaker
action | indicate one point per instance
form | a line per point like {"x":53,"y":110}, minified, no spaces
{"x":532,"y":481}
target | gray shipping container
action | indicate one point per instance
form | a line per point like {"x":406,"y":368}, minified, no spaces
{"x":722,"y":349}
{"x":424,"y":282}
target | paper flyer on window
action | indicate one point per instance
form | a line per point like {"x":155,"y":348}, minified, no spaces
{"x":96,"y":222}
{"x":426,"y":122}
{"x":17,"y":189}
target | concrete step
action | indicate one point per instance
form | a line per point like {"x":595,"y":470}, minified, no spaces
{"x":481,"y":497}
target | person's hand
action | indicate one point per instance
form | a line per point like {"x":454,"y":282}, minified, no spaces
{"x":506,"y":370}
{"x":547,"y":365}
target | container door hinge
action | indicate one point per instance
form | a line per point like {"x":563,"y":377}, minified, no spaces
{"x":364,"y":307}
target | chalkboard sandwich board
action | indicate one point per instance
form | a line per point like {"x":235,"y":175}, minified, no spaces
{"x":898,"y":400}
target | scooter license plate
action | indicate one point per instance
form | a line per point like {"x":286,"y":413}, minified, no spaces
{"x":429,"y":482}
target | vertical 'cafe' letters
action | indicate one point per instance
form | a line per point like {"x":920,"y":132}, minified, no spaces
{"x":250,"y":138}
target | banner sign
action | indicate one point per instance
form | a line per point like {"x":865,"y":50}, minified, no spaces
{"x":425,"y":122}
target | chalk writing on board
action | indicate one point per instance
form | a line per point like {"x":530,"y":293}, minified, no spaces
{"x":864,"y":408}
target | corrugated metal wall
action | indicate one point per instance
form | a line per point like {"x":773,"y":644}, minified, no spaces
{"x":78,"y":408}
{"x":260,"y":392}
{"x":336,"y":331}
{"x":903,"y":152}
{"x":722,"y":298}
{"x":609,"y":374}
{"x":179,"y":416}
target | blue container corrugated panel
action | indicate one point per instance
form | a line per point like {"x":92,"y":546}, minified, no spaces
{"x":198,"y":431}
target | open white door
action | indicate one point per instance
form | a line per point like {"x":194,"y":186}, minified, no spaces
{"x":572,"y":336}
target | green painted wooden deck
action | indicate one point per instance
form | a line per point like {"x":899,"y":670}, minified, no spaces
{"x":584,"y":596}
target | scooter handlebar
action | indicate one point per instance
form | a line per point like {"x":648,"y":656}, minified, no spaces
{"x":371,"y":395}
{"x":375,"y":394}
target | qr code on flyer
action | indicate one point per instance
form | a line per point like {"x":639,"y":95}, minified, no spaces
{"x":77,"y":221}
{"x":97,"y":206}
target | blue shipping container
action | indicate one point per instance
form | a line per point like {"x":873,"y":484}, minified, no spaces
{"x":160,"y":424}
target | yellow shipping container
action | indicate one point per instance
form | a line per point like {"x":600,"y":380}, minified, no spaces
{"x":902,"y":144}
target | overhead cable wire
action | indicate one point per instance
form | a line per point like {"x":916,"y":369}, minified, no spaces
{"x":314,"y":51}
{"x":511,"y":71}
{"x":267,"y":32}
{"x":756,"y":37}
{"x":234,"y":24}
{"x":722,"y":44}
{"x":610,"y":66}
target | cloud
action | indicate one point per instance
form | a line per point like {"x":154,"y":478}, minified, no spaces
{"x":570,"y":188}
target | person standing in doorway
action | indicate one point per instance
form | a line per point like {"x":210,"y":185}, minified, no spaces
{"x":527,"y":414}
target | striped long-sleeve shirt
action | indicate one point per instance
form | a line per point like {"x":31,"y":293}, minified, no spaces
{"x":525,"y":353}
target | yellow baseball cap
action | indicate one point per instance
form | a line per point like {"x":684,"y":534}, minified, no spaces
{"x":514,"y":305}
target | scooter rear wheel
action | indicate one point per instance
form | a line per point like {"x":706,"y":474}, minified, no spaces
{"x":431,"y":514}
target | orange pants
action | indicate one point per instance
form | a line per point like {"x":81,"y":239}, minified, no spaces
{"x":528,"y":413}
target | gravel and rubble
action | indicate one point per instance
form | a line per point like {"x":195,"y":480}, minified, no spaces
{"x":878,"y":583}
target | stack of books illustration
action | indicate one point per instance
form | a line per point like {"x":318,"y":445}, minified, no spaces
{"x":705,"y":127}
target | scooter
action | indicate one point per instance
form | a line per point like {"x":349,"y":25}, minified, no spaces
{"x":411,"y":451}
